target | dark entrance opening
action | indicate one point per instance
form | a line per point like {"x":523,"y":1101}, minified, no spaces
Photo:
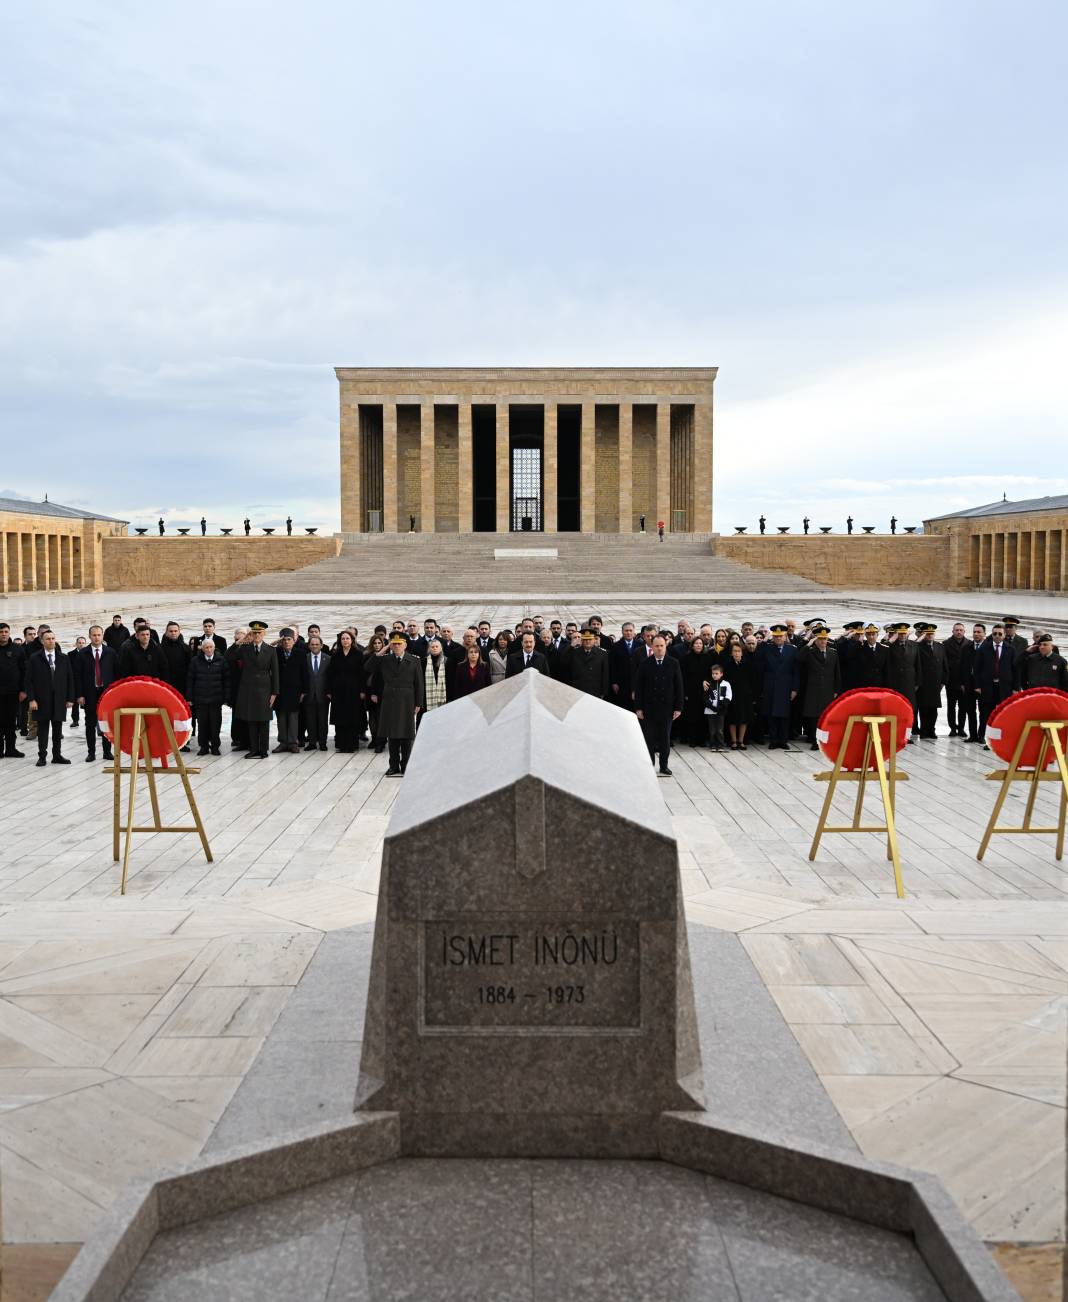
{"x":526,"y":434}
{"x":484,"y":468}
{"x":568,"y":443}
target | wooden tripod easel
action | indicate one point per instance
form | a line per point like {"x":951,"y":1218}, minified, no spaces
{"x":888,"y":774}
{"x":1051,"y":741}
{"x":139,"y":750}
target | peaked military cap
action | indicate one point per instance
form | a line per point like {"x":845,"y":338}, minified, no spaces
{"x":257,"y":626}
{"x":1011,"y":619}
{"x":776,"y":628}
{"x":902,"y":626}
{"x":853,"y":624}
{"x":871,"y":624}
{"x":398,"y":637}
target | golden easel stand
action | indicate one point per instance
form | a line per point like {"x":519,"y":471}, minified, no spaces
{"x":888,"y":774}
{"x":1051,"y":741}
{"x":139,"y":751}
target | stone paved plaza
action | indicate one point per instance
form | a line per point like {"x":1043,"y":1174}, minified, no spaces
{"x":936,"y":1023}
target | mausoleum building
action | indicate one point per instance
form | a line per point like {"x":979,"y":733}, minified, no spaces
{"x":516,"y":449}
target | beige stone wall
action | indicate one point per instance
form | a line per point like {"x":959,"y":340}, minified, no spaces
{"x":861,"y":561}
{"x":409,"y":488}
{"x":1025,"y":551}
{"x":202,"y":564}
{"x":44,"y":553}
{"x":606,"y":469}
{"x":447,"y":470}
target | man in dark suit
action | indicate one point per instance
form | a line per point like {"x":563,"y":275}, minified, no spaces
{"x":51,"y":692}
{"x":526,"y":658}
{"x":967,"y":678}
{"x":316,"y":705}
{"x":588,"y":667}
{"x":207,"y":686}
{"x":621,"y":667}
{"x":96,"y":667}
{"x":994,"y":675}
{"x":485,"y":639}
{"x":658,"y":700}
{"x":209,"y":631}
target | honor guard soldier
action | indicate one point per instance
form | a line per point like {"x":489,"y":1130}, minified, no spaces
{"x":257,"y":689}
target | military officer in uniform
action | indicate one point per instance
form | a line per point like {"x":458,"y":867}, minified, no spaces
{"x":398,"y":691}
{"x":869,"y":668}
{"x":257,"y":689}
{"x":1015,"y":639}
{"x":934,"y":673}
{"x":904,"y":672}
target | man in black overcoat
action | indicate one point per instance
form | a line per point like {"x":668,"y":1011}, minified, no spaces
{"x":96,"y":667}
{"x":116,"y":635}
{"x":953,"y":648}
{"x":588,"y":667}
{"x":140,"y":657}
{"x":51,"y":691}
{"x":658,"y":701}
{"x":904,"y":672}
{"x":11,"y":667}
{"x":933,"y":673}
{"x":621,"y":664}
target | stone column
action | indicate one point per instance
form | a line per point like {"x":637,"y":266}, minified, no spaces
{"x":626,"y":467}
{"x":70,"y":562}
{"x":588,"y":469}
{"x":427,"y":475}
{"x":504,"y":480}
{"x":549,"y":521}
{"x":702,"y":467}
{"x":389,"y":467}
{"x":466,"y":469}
{"x":353,"y":515}
{"x":3,"y":561}
{"x":663,"y":464}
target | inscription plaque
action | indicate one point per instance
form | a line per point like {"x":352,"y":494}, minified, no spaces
{"x":502,"y":975}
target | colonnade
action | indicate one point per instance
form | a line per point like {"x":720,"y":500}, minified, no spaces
{"x":1027,"y":558}
{"x":32,"y":561}
{"x":415,"y":457}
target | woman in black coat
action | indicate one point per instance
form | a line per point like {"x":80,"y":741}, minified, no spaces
{"x":695,"y":666}
{"x":375,"y":649}
{"x":344,"y":684}
{"x":470,"y":675}
{"x":740,"y":672}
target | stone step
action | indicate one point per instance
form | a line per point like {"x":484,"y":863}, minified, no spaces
{"x":469,"y":564}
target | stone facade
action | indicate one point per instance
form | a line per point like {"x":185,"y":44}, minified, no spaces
{"x":49,"y":548}
{"x":194,"y":564}
{"x":1007,"y":545}
{"x":909,"y":561}
{"x":570,"y":449}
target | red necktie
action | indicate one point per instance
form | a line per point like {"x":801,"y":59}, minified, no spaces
{"x":99,"y":682}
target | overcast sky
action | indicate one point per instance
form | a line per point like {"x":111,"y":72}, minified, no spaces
{"x":856,"y":211}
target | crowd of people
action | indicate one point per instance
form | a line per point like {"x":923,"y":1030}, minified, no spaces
{"x":719,"y":688}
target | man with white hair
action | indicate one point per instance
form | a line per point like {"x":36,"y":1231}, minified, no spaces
{"x":207,"y":686}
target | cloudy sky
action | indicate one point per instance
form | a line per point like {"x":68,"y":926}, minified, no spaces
{"x":855,"y":211}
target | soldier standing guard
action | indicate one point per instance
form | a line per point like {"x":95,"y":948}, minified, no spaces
{"x":257,"y":689}
{"x":397,"y":690}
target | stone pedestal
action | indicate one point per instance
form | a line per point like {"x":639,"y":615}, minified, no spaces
{"x":530,"y":989}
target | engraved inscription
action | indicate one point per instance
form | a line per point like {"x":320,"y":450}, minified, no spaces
{"x":522,"y":974}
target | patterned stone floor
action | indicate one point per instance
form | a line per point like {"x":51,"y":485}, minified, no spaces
{"x":937,"y":1023}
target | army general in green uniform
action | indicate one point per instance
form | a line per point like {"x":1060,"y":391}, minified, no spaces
{"x":257,"y":689}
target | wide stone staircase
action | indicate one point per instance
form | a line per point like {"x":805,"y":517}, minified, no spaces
{"x":507,"y":565}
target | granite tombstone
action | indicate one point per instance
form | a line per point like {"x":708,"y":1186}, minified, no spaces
{"x":530,"y":989}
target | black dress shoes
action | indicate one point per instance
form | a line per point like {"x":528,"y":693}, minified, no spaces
{"x":60,"y":759}
{"x":41,"y":762}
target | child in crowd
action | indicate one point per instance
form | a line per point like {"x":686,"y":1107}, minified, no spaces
{"x":716,"y":704}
